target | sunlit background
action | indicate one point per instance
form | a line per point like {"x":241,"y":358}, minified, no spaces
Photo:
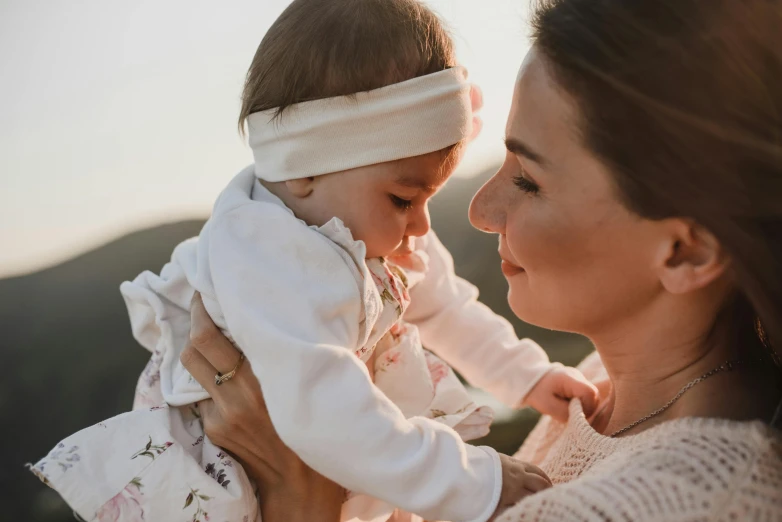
{"x":118,"y":115}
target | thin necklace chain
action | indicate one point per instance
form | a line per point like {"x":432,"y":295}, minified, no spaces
{"x":726,"y":366}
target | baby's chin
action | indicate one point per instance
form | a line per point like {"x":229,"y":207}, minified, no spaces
{"x":383,"y":254}
{"x":404,"y":249}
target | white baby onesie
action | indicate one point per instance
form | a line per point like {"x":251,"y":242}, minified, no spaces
{"x":307,"y":309}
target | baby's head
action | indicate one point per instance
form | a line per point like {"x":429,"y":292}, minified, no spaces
{"x":326,"y":49}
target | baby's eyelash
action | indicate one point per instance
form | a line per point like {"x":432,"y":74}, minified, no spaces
{"x":404,"y":204}
{"x":526,"y":185}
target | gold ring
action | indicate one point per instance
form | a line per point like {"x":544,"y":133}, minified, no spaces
{"x":220,"y":378}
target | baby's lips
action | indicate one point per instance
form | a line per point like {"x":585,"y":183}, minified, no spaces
{"x":476,"y":98}
{"x":476,"y":103}
{"x":477,"y":125}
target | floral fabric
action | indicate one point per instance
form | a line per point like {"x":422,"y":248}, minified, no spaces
{"x":155,"y":463}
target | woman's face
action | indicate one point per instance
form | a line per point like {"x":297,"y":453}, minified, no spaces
{"x":575,"y":258}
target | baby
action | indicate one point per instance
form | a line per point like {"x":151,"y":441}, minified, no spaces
{"x":319,"y":263}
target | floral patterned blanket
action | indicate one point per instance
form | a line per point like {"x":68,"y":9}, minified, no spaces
{"x":156,"y":464}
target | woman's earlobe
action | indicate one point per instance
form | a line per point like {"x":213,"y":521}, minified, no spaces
{"x":693,"y":259}
{"x":300,"y":188}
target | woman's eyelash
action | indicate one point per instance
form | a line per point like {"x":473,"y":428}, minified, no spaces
{"x":404,"y":204}
{"x":526,"y":185}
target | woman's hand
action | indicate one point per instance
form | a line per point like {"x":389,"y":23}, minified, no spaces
{"x":237,"y":419}
{"x":519,"y":480}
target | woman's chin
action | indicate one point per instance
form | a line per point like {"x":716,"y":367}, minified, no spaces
{"x":531,"y":312}
{"x":528,"y":309}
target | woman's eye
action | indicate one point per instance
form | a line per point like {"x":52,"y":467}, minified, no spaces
{"x":404,"y":204}
{"x":526,"y":185}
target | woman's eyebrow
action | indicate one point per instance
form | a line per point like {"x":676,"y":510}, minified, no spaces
{"x":517,"y":147}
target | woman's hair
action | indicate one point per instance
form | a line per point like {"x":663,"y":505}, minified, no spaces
{"x":682,"y":100}
{"x":324,"y":48}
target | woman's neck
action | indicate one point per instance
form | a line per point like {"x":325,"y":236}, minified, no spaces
{"x":649,"y":361}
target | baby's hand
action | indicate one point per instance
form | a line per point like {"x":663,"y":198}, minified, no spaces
{"x":519,"y":480}
{"x":553,"y":392}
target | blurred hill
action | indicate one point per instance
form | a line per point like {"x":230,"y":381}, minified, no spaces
{"x":69,"y":359}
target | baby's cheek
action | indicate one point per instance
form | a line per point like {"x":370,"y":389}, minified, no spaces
{"x":390,"y":236}
{"x":374,"y":237}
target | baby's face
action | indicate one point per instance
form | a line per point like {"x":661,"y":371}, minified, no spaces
{"x":385,"y":205}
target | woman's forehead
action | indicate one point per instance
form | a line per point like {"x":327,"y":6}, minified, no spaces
{"x":542,"y":116}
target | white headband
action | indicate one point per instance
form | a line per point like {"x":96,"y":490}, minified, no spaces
{"x":402,"y":120}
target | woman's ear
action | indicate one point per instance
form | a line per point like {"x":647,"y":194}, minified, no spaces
{"x":691,"y":257}
{"x":300,"y":188}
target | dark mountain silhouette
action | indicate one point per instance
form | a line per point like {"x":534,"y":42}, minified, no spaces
{"x":69,"y":359}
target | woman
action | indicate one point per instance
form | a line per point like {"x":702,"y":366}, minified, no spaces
{"x":639,"y":204}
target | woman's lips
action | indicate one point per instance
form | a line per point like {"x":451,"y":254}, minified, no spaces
{"x":510,"y":269}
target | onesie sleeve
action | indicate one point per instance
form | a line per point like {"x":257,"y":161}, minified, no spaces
{"x":293,"y":306}
{"x":468,"y":335}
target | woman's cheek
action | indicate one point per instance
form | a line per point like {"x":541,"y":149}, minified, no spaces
{"x":521,"y":234}
{"x":537,"y":295}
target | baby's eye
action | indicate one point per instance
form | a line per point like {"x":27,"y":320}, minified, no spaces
{"x":403,"y":204}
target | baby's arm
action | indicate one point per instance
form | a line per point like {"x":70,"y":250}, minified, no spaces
{"x":482,"y":345}
{"x":293,"y":306}
{"x":478,"y":343}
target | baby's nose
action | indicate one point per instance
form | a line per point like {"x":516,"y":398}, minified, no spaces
{"x":419,"y":223}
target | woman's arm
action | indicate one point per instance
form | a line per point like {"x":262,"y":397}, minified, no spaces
{"x":290,"y":491}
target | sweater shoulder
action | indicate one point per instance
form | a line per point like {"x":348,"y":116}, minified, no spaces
{"x":707,"y":469}
{"x":722,"y":469}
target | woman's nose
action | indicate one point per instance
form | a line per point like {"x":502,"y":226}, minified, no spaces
{"x":486,"y":208}
{"x":419,"y":222}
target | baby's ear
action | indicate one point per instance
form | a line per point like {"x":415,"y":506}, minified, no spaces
{"x":300,"y":188}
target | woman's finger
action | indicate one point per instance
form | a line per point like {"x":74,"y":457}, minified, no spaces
{"x":207,"y":338}
{"x":201,"y":369}
{"x":214,"y":427}
{"x":207,"y":409}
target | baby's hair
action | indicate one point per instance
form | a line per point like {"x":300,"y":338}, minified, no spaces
{"x":324,"y":48}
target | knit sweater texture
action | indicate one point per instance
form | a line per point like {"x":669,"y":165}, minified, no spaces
{"x":689,"y":469}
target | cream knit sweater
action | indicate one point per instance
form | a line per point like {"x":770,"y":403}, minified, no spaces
{"x":682,"y":470}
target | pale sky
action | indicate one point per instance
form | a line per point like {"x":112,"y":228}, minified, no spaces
{"x":120,"y":115}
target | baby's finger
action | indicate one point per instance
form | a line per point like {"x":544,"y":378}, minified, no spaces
{"x":532,"y":469}
{"x":535,"y":483}
{"x":589,"y":402}
{"x":554,"y":406}
{"x":586,"y":392}
{"x":208,"y":340}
